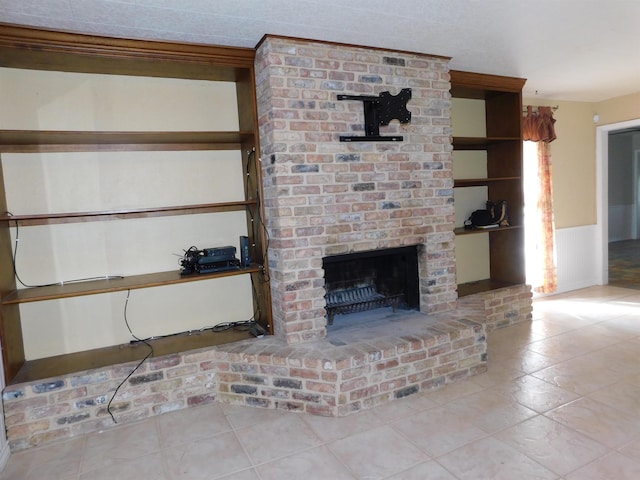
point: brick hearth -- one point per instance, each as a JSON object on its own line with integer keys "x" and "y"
{"x": 346, "y": 372}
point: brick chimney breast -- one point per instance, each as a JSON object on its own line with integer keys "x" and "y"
{"x": 324, "y": 197}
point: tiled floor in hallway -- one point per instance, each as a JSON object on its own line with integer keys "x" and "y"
{"x": 561, "y": 400}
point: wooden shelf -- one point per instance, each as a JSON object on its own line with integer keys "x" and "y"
{"x": 34, "y": 141}
{"x": 73, "y": 217}
{"x": 65, "y": 364}
{"x": 35, "y": 48}
{"x": 480, "y": 143}
{"x": 480, "y": 182}
{"x": 76, "y": 289}
{"x": 471, "y": 288}
{"x": 39, "y": 49}
{"x": 475, "y": 231}
{"x": 501, "y": 161}
{"x": 481, "y": 85}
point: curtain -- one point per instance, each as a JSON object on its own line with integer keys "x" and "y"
{"x": 538, "y": 126}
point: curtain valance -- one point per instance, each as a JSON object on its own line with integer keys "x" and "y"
{"x": 538, "y": 124}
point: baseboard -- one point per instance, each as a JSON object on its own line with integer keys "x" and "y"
{"x": 569, "y": 287}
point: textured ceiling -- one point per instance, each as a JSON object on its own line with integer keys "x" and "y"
{"x": 581, "y": 50}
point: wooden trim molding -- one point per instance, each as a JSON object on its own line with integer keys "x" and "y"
{"x": 482, "y": 81}
{"x": 34, "y": 48}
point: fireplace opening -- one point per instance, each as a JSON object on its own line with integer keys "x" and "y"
{"x": 361, "y": 281}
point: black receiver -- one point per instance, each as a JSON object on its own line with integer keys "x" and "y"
{"x": 245, "y": 257}
{"x": 209, "y": 260}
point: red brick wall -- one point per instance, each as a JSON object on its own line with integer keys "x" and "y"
{"x": 267, "y": 373}
{"x": 326, "y": 197}
{"x": 503, "y": 307}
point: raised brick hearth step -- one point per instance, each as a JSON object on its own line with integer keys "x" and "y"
{"x": 335, "y": 376}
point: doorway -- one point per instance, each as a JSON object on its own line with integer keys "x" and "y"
{"x": 618, "y": 254}
{"x": 635, "y": 214}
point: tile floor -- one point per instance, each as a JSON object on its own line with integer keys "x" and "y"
{"x": 561, "y": 400}
{"x": 624, "y": 263}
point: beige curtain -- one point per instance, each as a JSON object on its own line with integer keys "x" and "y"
{"x": 538, "y": 126}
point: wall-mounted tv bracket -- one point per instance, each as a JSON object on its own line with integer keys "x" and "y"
{"x": 380, "y": 111}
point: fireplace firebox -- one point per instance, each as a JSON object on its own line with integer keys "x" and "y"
{"x": 363, "y": 281}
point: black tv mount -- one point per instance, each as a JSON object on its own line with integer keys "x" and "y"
{"x": 378, "y": 111}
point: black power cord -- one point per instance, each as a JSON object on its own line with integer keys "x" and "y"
{"x": 245, "y": 325}
{"x": 253, "y": 160}
{"x": 149, "y": 354}
{"x": 76, "y": 280}
{"x": 242, "y": 325}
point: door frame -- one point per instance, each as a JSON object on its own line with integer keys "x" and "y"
{"x": 602, "y": 195}
{"x": 635, "y": 211}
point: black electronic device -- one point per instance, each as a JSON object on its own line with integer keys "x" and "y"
{"x": 205, "y": 260}
{"x": 245, "y": 257}
{"x": 228, "y": 250}
{"x": 209, "y": 260}
{"x": 219, "y": 266}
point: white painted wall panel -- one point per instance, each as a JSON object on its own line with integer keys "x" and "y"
{"x": 576, "y": 257}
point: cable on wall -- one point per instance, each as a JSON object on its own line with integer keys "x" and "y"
{"x": 253, "y": 159}
{"x": 149, "y": 354}
{"x": 242, "y": 325}
{"x": 24, "y": 284}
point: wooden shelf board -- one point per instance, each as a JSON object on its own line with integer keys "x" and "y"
{"x": 479, "y": 286}
{"x": 38, "y": 294}
{"x": 33, "y": 141}
{"x": 480, "y": 143}
{"x": 478, "y": 182}
{"x": 73, "y": 217}
{"x": 58, "y": 365}
{"x": 474, "y": 231}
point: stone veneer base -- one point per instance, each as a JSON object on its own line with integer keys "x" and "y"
{"x": 315, "y": 377}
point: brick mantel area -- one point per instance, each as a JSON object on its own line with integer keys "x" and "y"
{"x": 322, "y": 197}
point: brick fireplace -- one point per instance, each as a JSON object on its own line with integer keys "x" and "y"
{"x": 324, "y": 199}
{"x": 362, "y": 281}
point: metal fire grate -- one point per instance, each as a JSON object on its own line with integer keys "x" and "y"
{"x": 357, "y": 299}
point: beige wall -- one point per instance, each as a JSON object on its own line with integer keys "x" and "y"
{"x": 618, "y": 109}
{"x": 574, "y": 162}
{"x": 574, "y": 167}
{"x": 574, "y": 153}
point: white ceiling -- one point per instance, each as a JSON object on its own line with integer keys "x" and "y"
{"x": 580, "y": 50}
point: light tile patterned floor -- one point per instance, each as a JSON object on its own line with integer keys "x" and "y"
{"x": 561, "y": 400}
{"x": 624, "y": 263}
